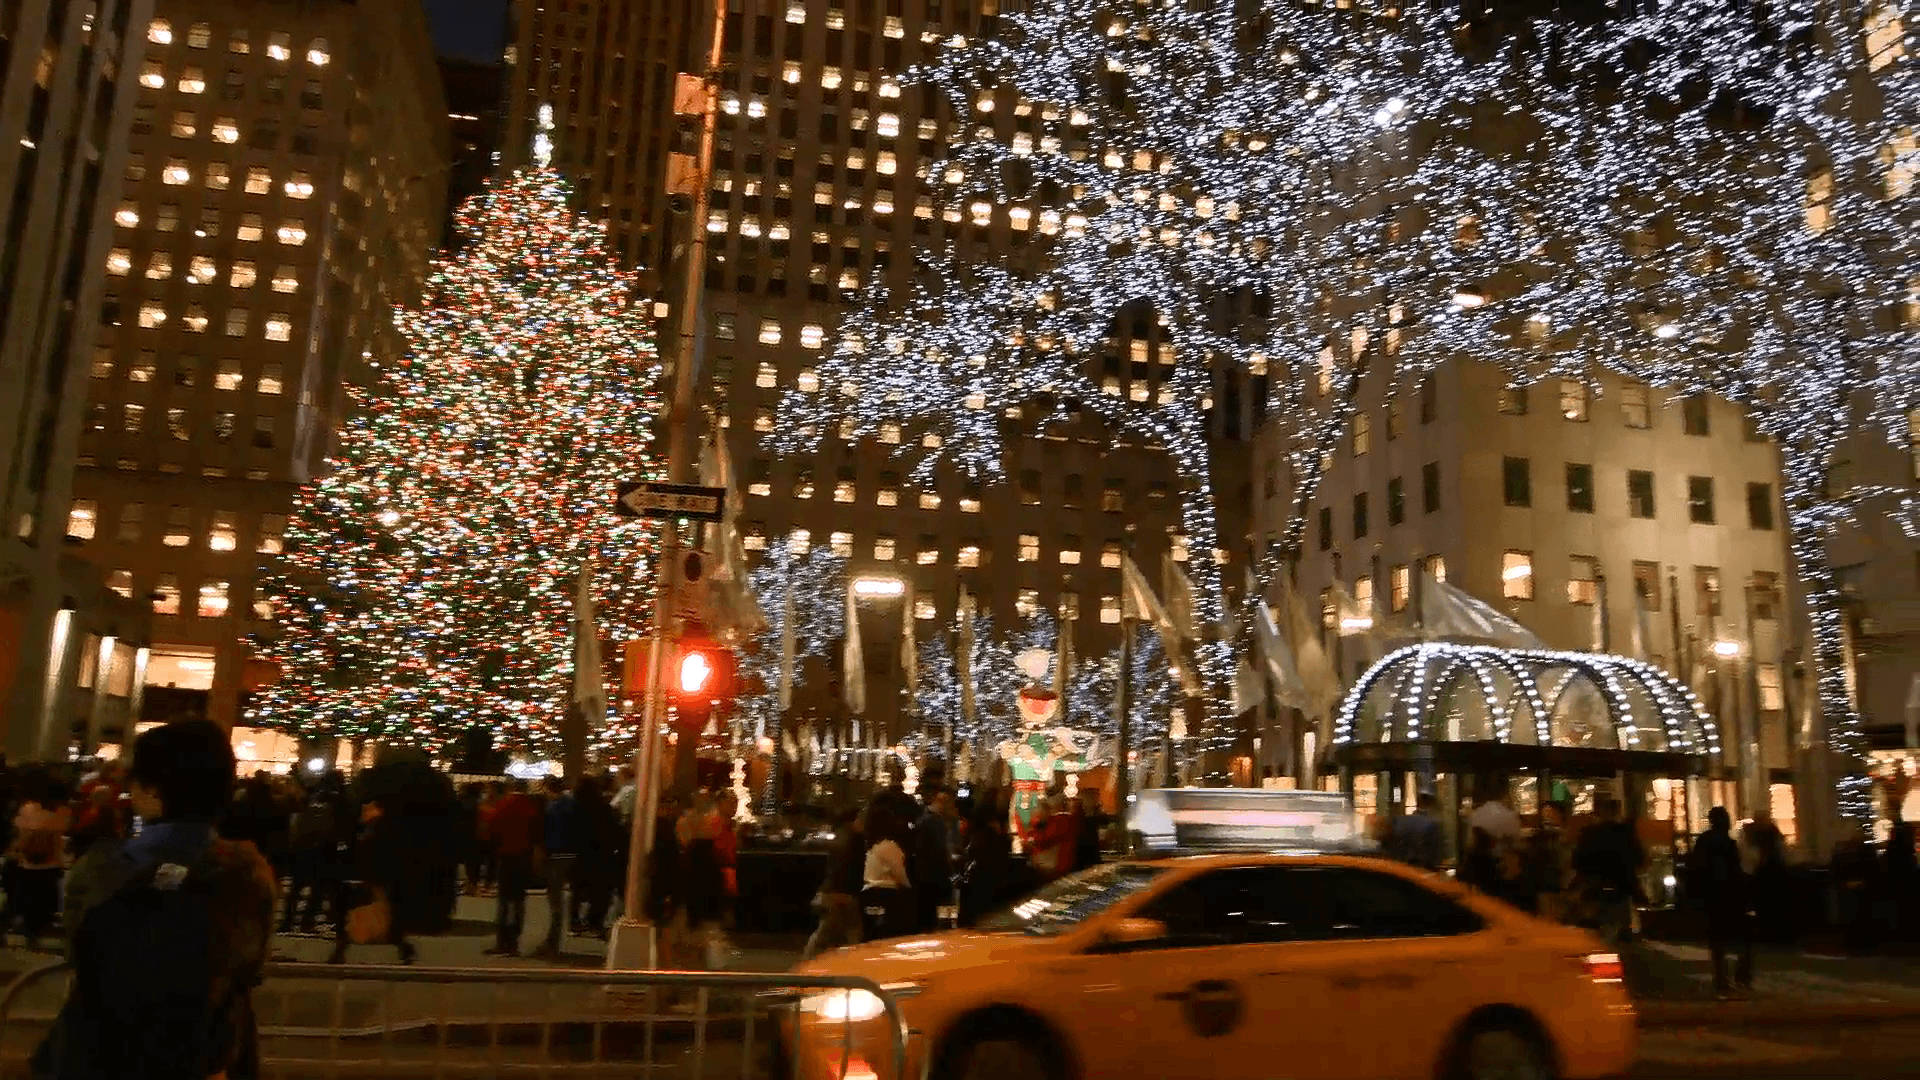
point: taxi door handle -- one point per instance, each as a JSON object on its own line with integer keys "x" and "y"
{"x": 1172, "y": 995}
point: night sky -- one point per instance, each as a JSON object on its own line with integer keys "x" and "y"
{"x": 468, "y": 29}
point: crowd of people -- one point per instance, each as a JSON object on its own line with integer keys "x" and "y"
{"x": 1589, "y": 870}
{"x": 907, "y": 864}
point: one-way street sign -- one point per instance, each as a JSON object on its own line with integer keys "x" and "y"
{"x": 647, "y": 498}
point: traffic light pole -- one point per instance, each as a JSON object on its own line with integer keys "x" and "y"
{"x": 634, "y": 945}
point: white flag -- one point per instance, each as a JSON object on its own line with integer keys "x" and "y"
{"x": 1141, "y": 603}
{"x": 1138, "y": 601}
{"x": 1453, "y": 614}
{"x": 909, "y": 649}
{"x": 1179, "y": 593}
{"x": 733, "y": 611}
{"x": 589, "y": 678}
{"x": 1318, "y": 680}
{"x": 853, "y": 672}
{"x": 963, "y": 655}
{"x": 1282, "y": 671}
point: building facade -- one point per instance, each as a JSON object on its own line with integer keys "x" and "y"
{"x": 282, "y": 192}
{"x": 1602, "y": 515}
{"x": 66, "y": 105}
{"x": 817, "y": 193}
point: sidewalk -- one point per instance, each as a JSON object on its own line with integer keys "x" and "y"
{"x": 1672, "y": 984}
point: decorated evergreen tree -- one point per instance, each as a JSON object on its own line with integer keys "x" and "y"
{"x": 429, "y": 580}
{"x": 1167, "y": 158}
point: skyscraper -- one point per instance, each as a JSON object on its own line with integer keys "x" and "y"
{"x": 282, "y": 192}
{"x": 66, "y": 102}
{"x": 817, "y": 194}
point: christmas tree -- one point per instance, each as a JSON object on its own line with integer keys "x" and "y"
{"x": 429, "y": 579}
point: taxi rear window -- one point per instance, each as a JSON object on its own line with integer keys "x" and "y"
{"x": 1064, "y": 904}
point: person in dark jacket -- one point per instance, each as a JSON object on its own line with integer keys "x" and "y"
{"x": 390, "y": 870}
{"x": 1606, "y": 868}
{"x": 168, "y": 930}
{"x": 839, "y": 897}
{"x": 597, "y": 868}
{"x": 1719, "y": 885}
{"x": 563, "y": 848}
{"x": 987, "y": 871}
{"x": 932, "y": 863}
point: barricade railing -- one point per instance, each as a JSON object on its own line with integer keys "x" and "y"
{"x": 357, "y": 1022}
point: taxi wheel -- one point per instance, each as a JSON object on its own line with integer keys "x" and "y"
{"x": 1502, "y": 1052}
{"x": 1001, "y": 1059}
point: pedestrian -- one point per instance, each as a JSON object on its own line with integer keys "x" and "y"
{"x": 1090, "y": 820}
{"x": 467, "y": 833}
{"x": 839, "y": 895}
{"x": 168, "y": 930}
{"x": 1051, "y": 855}
{"x": 514, "y": 830}
{"x": 932, "y": 864}
{"x": 1770, "y": 879}
{"x": 1547, "y": 863}
{"x": 311, "y": 844}
{"x": 562, "y": 843}
{"x": 702, "y": 874}
{"x": 596, "y": 869}
{"x": 1606, "y": 868}
{"x": 37, "y": 857}
{"x": 886, "y": 892}
{"x": 390, "y": 870}
{"x": 1415, "y": 838}
{"x": 987, "y": 864}
{"x": 1719, "y": 886}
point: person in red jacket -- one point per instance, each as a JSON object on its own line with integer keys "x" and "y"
{"x": 514, "y": 831}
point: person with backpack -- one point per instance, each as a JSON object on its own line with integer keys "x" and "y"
{"x": 168, "y": 930}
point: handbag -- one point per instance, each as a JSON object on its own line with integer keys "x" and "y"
{"x": 371, "y": 922}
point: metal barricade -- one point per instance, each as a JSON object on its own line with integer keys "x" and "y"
{"x": 357, "y": 1022}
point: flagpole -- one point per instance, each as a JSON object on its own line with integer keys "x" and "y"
{"x": 1122, "y": 767}
{"x": 633, "y": 945}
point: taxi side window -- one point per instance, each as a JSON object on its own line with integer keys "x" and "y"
{"x": 1365, "y": 904}
{"x": 1240, "y": 906}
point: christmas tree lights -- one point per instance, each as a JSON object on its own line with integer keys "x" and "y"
{"x": 428, "y": 579}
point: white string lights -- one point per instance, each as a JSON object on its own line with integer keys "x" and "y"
{"x": 1403, "y": 695}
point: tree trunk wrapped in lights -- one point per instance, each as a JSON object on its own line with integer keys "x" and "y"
{"x": 428, "y": 578}
{"x": 1169, "y": 156}
{"x": 1734, "y": 216}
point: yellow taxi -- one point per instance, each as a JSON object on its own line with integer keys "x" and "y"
{"x": 1269, "y": 967}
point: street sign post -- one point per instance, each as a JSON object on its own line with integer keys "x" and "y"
{"x": 647, "y": 498}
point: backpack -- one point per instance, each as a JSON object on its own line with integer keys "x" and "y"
{"x": 164, "y": 969}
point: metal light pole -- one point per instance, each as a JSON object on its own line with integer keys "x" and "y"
{"x": 634, "y": 945}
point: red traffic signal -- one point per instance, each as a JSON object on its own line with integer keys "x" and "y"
{"x": 698, "y": 671}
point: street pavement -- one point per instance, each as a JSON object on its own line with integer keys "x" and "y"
{"x": 1811, "y": 1015}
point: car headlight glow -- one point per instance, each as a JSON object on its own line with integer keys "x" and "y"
{"x": 854, "y": 1006}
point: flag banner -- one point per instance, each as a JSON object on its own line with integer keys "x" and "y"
{"x": 1453, "y": 614}
{"x": 909, "y": 649}
{"x": 853, "y": 673}
{"x": 589, "y": 677}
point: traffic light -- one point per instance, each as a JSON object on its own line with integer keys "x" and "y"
{"x": 698, "y": 673}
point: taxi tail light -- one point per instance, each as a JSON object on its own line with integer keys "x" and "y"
{"x": 852, "y": 1067}
{"x": 1603, "y": 967}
